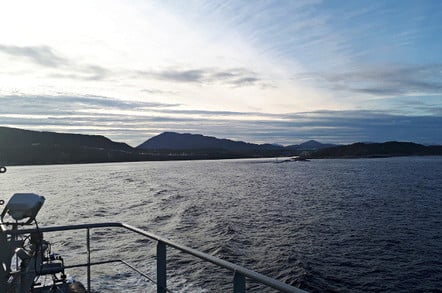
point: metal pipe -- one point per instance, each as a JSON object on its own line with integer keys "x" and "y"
{"x": 88, "y": 244}
{"x": 222, "y": 263}
{"x": 132, "y": 267}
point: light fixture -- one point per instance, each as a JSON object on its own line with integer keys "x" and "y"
{"x": 22, "y": 206}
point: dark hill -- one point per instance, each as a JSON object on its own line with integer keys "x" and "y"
{"x": 15, "y": 137}
{"x": 371, "y": 150}
{"x": 25, "y": 147}
{"x": 19, "y": 147}
{"x": 200, "y": 146}
{"x": 310, "y": 145}
{"x": 187, "y": 141}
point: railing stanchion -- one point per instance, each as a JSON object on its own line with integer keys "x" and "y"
{"x": 161, "y": 268}
{"x": 239, "y": 283}
{"x": 88, "y": 243}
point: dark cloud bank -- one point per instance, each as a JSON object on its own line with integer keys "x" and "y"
{"x": 67, "y": 114}
{"x": 386, "y": 80}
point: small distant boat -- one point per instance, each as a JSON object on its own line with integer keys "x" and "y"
{"x": 33, "y": 257}
{"x": 294, "y": 159}
{"x": 300, "y": 159}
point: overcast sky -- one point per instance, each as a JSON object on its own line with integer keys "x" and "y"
{"x": 260, "y": 71}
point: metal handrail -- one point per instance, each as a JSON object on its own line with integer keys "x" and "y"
{"x": 240, "y": 273}
{"x": 115, "y": 261}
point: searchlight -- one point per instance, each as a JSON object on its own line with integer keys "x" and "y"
{"x": 22, "y": 206}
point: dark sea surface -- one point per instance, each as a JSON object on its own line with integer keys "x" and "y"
{"x": 361, "y": 225}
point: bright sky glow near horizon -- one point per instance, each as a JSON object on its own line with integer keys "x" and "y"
{"x": 260, "y": 71}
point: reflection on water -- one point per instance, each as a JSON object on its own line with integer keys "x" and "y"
{"x": 339, "y": 225}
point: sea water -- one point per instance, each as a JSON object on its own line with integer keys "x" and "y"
{"x": 356, "y": 225}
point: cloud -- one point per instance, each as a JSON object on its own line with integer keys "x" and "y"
{"x": 83, "y": 72}
{"x": 197, "y": 75}
{"x": 95, "y": 72}
{"x": 65, "y": 68}
{"x": 391, "y": 80}
{"x": 234, "y": 76}
{"x": 289, "y": 33}
{"x": 158, "y": 91}
{"x": 41, "y": 55}
{"x": 244, "y": 81}
{"x": 133, "y": 121}
{"x": 66, "y": 104}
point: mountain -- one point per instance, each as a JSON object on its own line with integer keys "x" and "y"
{"x": 25, "y": 147}
{"x": 372, "y": 150}
{"x": 191, "y": 146}
{"x": 191, "y": 142}
{"x": 310, "y": 145}
{"x": 18, "y": 147}
{"x": 15, "y": 137}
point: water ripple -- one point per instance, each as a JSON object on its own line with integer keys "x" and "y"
{"x": 327, "y": 226}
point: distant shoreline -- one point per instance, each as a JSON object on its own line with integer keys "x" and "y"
{"x": 19, "y": 147}
{"x": 223, "y": 159}
{"x": 376, "y": 150}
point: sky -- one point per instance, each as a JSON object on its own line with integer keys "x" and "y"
{"x": 259, "y": 71}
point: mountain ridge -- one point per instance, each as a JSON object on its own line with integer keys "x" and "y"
{"x": 188, "y": 141}
{"x": 19, "y": 137}
{"x": 28, "y": 147}
{"x": 23, "y": 147}
{"x": 310, "y": 145}
{"x": 375, "y": 150}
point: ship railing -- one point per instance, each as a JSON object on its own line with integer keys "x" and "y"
{"x": 239, "y": 273}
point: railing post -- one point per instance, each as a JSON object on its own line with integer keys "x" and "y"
{"x": 161, "y": 267}
{"x": 88, "y": 244}
{"x": 239, "y": 283}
